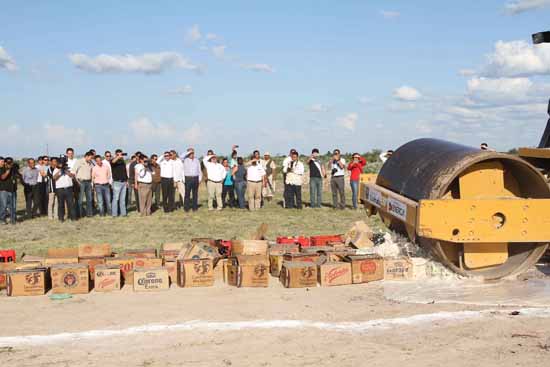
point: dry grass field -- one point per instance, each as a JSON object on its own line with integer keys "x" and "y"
{"x": 35, "y": 236}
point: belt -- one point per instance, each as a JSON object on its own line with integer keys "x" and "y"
{"x": 102, "y": 184}
{"x": 214, "y": 181}
{"x": 63, "y": 188}
{"x": 85, "y": 180}
{"x": 255, "y": 181}
{"x": 123, "y": 181}
{"x": 144, "y": 183}
{"x": 167, "y": 178}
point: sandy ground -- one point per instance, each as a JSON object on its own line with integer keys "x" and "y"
{"x": 355, "y": 325}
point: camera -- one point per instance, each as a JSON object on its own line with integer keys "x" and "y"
{"x": 334, "y": 170}
{"x": 124, "y": 154}
{"x": 62, "y": 163}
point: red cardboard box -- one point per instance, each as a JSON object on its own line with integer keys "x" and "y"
{"x": 325, "y": 240}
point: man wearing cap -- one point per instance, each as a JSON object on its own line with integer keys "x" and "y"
{"x": 193, "y": 176}
{"x": 337, "y": 166}
{"x": 269, "y": 167}
{"x": 255, "y": 175}
{"x": 216, "y": 174}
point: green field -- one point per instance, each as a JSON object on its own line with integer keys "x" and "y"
{"x": 33, "y": 237}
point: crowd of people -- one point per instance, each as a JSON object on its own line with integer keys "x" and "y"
{"x": 67, "y": 187}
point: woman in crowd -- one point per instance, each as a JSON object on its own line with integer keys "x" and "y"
{"x": 356, "y": 168}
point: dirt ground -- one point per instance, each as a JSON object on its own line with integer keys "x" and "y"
{"x": 224, "y": 326}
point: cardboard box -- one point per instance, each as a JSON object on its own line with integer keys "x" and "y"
{"x": 326, "y": 240}
{"x": 92, "y": 262}
{"x": 69, "y": 252}
{"x": 249, "y": 247}
{"x": 220, "y": 270}
{"x": 4, "y": 269}
{"x": 200, "y": 251}
{"x": 35, "y": 260}
{"x": 298, "y": 274}
{"x": 196, "y": 273}
{"x": 301, "y": 257}
{"x": 147, "y": 262}
{"x": 70, "y": 278}
{"x": 283, "y": 249}
{"x": 27, "y": 282}
{"x": 88, "y": 250}
{"x": 357, "y": 228}
{"x": 107, "y": 278}
{"x": 172, "y": 267}
{"x": 398, "y": 269}
{"x": 150, "y": 253}
{"x": 334, "y": 273}
{"x": 126, "y": 265}
{"x": 275, "y": 265}
{"x": 151, "y": 280}
{"x": 171, "y": 246}
{"x": 49, "y": 261}
{"x": 366, "y": 268}
{"x": 248, "y": 271}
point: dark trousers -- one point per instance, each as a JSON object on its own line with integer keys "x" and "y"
{"x": 228, "y": 190}
{"x": 155, "y": 187}
{"x": 167, "y": 186}
{"x": 293, "y": 197}
{"x": 43, "y": 198}
{"x": 191, "y": 189}
{"x": 32, "y": 200}
{"x": 65, "y": 197}
{"x": 337, "y": 187}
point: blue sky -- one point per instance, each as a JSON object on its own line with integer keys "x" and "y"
{"x": 271, "y": 75}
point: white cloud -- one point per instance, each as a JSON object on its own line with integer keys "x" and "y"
{"x": 318, "y": 107}
{"x": 349, "y": 121}
{"x": 186, "y": 89}
{"x": 265, "y": 68}
{"x": 149, "y": 63}
{"x": 520, "y": 6}
{"x": 219, "y": 51}
{"x": 518, "y": 58}
{"x": 147, "y": 132}
{"x": 501, "y": 90}
{"x": 211, "y": 37}
{"x": 6, "y": 61}
{"x": 61, "y": 134}
{"x": 193, "y": 34}
{"x": 407, "y": 94}
{"x": 389, "y": 14}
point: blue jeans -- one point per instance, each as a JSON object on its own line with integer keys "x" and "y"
{"x": 4, "y": 197}
{"x": 354, "y": 191}
{"x": 85, "y": 189}
{"x": 315, "y": 192}
{"x": 103, "y": 198}
{"x": 240, "y": 188}
{"x": 8, "y": 201}
{"x": 119, "y": 198}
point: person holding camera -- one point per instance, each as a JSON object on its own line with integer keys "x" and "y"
{"x": 356, "y": 168}
{"x": 294, "y": 179}
{"x": 63, "y": 178}
{"x": 337, "y": 166}
{"x": 316, "y": 174}
{"x": 143, "y": 183}
{"x": 120, "y": 184}
{"x": 101, "y": 177}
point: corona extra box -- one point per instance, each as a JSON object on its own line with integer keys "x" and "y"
{"x": 399, "y": 268}
{"x": 334, "y": 273}
{"x": 27, "y": 282}
{"x": 87, "y": 250}
{"x": 298, "y": 274}
{"x": 248, "y": 271}
{"x": 366, "y": 268}
{"x": 196, "y": 273}
{"x": 70, "y": 278}
{"x": 107, "y": 278}
{"x": 151, "y": 280}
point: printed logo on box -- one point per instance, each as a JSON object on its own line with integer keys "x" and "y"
{"x": 335, "y": 273}
{"x": 397, "y": 208}
{"x": 368, "y": 267}
{"x": 260, "y": 270}
{"x": 32, "y": 278}
{"x": 307, "y": 272}
{"x": 375, "y": 198}
{"x": 201, "y": 267}
{"x": 70, "y": 279}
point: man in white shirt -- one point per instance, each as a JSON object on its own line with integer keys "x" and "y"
{"x": 294, "y": 178}
{"x": 286, "y": 162}
{"x": 167, "y": 181}
{"x": 64, "y": 190}
{"x": 216, "y": 174}
{"x": 255, "y": 175}
{"x": 143, "y": 182}
{"x": 336, "y": 167}
{"x": 179, "y": 176}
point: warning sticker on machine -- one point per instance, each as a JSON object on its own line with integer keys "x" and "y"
{"x": 397, "y": 209}
{"x": 375, "y": 198}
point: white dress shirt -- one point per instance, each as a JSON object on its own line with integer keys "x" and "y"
{"x": 179, "y": 175}
{"x": 255, "y": 173}
{"x": 215, "y": 171}
{"x": 166, "y": 167}
{"x": 295, "y": 173}
{"x": 339, "y": 171}
{"x": 71, "y": 163}
{"x": 63, "y": 181}
{"x": 144, "y": 175}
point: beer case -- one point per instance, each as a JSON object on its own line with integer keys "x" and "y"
{"x": 107, "y": 278}
{"x": 196, "y": 273}
{"x": 70, "y": 278}
{"x": 298, "y": 274}
{"x": 151, "y": 280}
{"x": 27, "y": 282}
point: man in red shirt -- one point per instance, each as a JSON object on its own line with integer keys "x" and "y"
{"x": 356, "y": 168}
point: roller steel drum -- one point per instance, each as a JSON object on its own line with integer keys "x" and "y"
{"x": 431, "y": 168}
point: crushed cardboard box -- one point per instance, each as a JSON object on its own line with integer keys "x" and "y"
{"x": 172, "y": 266}
{"x": 359, "y": 236}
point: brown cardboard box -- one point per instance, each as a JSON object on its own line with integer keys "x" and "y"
{"x": 301, "y": 257}
{"x": 70, "y": 252}
{"x": 150, "y": 253}
{"x": 92, "y": 262}
{"x": 88, "y": 250}
{"x": 248, "y": 271}
{"x": 398, "y": 269}
{"x": 126, "y": 267}
{"x": 366, "y": 268}
{"x": 172, "y": 267}
{"x": 171, "y": 246}
{"x": 151, "y": 280}
{"x": 196, "y": 273}
{"x": 27, "y": 282}
{"x": 249, "y": 247}
{"x": 281, "y": 249}
{"x": 334, "y": 273}
{"x": 359, "y": 234}
{"x": 220, "y": 270}
{"x": 4, "y": 269}
{"x": 298, "y": 274}
{"x": 107, "y": 278}
{"x": 70, "y": 278}
{"x": 200, "y": 251}
{"x": 35, "y": 260}
{"x": 147, "y": 262}
{"x": 49, "y": 261}
{"x": 275, "y": 264}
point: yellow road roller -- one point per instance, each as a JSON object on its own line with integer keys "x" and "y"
{"x": 481, "y": 213}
